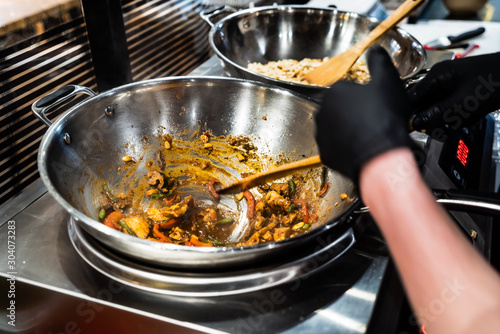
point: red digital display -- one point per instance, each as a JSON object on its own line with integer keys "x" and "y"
{"x": 462, "y": 152}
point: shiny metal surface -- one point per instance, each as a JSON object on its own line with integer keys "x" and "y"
{"x": 482, "y": 207}
{"x": 40, "y": 111}
{"x": 272, "y": 33}
{"x": 73, "y": 173}
{"x": 209, "y": 283}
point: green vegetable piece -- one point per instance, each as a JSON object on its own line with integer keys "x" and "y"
{"x": 224, "y": 221}
{"x": 214, "y": 241}
{"x": 306, "y": 226}
{"x": 293, "y": 187}
{"x": 323, "y": 177}
{"x": 108, "y": 193}
{"x": 126, "y": 228}
{"x": 102, "y": 214}
{"x": 162, "y": 195}
{"x": 292, "y": 208}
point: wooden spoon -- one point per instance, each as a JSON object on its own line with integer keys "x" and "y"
{"x": 270, "y": 175}
{"x": 335, "y": 68}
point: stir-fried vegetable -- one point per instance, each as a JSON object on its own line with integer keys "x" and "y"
{"x": 224, "y": 221}
{"x": 293, "y": 187}
{"x": 212, "y": 189}
{"x": 323, "y": 190}
{"x": 157, "y": 210}
{"x": 251, "y": 204}
{"x": 102, "y": 213}
{"x": 112, "y": 220}
{"x": 196, "y": 242}
{"x": 162, "y": 195}
{"x": 277, "y": 215}
{"x": 167, "y": 225}
{"x": 108, "y": 193}
{"x": 303, "y": 209}
{"x": 124, "y": 225}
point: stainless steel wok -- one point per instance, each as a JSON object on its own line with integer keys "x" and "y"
{"x": 85, "y": 145}
{"x": 264, "y": 34}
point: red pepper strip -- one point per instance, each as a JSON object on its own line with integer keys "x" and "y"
{"x": 323, "y": 190}
{"x": 169, "y": 224}
{"x": 169, "y": 201}
{"x": 303, "y": 209}
{"x": 188, "y": 243}
{"x": 211, "y": 187}
{"x": 313, "y": 217}
{"x": 251, "y": 204}
{"x": 112, "y": 219}
{"x": 162, "y": 237}
{"x": 198, "y": 243}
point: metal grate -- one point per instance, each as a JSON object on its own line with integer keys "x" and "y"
{"x": 165, "y": 38}
{"x": 28, "y": 70}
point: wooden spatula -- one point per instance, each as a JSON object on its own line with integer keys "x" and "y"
{"x": 335, "y": 68}
{"x": 270, "y": 175}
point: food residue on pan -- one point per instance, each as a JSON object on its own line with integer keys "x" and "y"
{"x": 293, "y": 71}
{"x": 176, "y": 201}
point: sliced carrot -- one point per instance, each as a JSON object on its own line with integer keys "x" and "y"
{"x": 251, "y": 204}
{"x": 198, "y": 243}
{"x": 303, "y": 209}
{"x": 112, "y": 219}
{"x": 162, "y": 237}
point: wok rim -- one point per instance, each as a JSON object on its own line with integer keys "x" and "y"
{"x": 240, "y": 13}
{"x": 88, "y": 222}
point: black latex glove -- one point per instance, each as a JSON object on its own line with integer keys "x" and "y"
{"x": 456, "y": 93}
{"x": 357, "y": 122}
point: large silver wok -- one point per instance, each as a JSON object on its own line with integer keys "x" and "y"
{"x": 85, "y": 145}
{"x": 264, "y": 34}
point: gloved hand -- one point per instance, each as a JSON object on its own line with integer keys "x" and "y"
{"x": 456, "y": 93}
{"x": 358, "y": 122}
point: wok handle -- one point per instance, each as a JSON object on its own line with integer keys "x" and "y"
{"x": 416, "y": 78}
{"x": 57, "y": 98}
{"x": 208, "y": 14}
{"x": 486, "y": 203}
